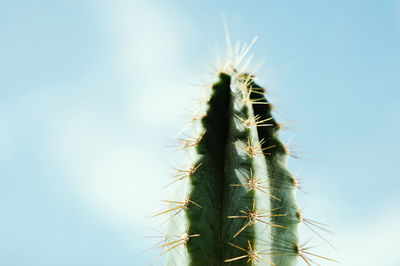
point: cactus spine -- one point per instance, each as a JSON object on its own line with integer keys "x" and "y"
{"x": 235, "y": 201}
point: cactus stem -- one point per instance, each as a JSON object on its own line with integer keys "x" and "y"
{"x": 252, "y": 254}
{"x": 237, "y": 165}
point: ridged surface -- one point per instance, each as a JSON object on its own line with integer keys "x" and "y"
{"x": 239, "y": 195}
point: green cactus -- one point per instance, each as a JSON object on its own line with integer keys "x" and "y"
{"x": 235, "y": 200}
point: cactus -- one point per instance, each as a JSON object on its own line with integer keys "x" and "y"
{"x": 235, "y": 200}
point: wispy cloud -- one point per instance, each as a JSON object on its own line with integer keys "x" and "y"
{"x": 117, "y": 164}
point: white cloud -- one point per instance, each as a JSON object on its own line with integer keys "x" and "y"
{"x": 113, "y": 164}
{"x": 148, "y": 58}
{"x": 114, "y": 175}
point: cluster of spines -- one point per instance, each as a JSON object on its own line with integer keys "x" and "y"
{"x": 253, "y": 132}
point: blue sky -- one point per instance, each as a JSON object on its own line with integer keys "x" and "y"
{"x": 93, "y": 93}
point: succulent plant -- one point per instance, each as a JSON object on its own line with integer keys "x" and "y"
{"x": 235, "y": 199}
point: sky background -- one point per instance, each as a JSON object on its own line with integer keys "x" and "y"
{"x": 93, "y": 94}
